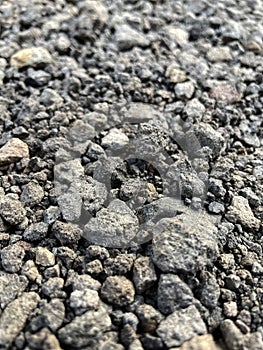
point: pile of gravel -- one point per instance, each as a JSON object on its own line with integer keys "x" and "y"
{"x": 131, "y": 164}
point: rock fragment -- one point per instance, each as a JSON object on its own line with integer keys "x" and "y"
{"x": 12, "y": 258}
{"x": 240, "y": 212}
{"x": 14, "y": 317}
{"x": 144, "y": 274}
{"x": 44, "y": 257}
{"x": 66, "y": 233}
{"x": 85, "y": 330}
{"x": 32, "y": 193}
{"x": 127, "y": 38}
{"x": 34, "y": 56}
{"x": 114, "y": 226}
{"x": 43, "y": 340}
{"x": 12, "y": 210}
{"x": 219, "y": 54}
{"x": 180, "y": 326}
{"x": 83, "y": 300}
{"x": 36, "y": 232}
{"x": 235, "y": 340}
{"x": 118, "y": 290}
{"x": 178, "y": 248}
{"x": 200, "y": 342}
{"x": 173, "y": 293}
{"x": 13, "y": 151}
{"x": 225, "y": 92}
{"x": 11, "y": 285}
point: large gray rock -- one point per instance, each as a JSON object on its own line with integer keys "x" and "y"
{"x": 114, "y": 226}
{"x": 184, "y": 243}
{"x": 173, "y": 293}
{"x": 180, "y": 326}
{"x": 85, "y": 330}
{"x": 14, "y": 317}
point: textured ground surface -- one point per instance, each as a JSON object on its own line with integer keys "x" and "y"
{"x": 131, "y": 163}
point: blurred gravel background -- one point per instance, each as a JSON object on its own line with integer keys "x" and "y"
{"x": 80, "y": 68}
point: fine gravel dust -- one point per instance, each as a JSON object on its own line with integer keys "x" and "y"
{"x": 131, "y": 164}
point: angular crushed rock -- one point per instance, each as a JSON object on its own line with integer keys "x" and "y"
{"x": 13, "y": 151}
{"x": 180, "y": 326}
{"x": 144, "y": 274}
{"x": 85, "y": 330}
{"x": 12, "y": 210}
{"x": 173, "y": 293}
{"x": 177, "y": 247}
{"x": 239, "y": 211}
{"x": 66, "y": 233}
{"x": 34, "y": 56}
{"x": 118, "y": 290}
{"x": 14, "y": 317}
{"x": 114, "y": 226}
{"x": 12, "y": 258}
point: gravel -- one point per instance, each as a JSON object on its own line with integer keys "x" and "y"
{"x": 131, "y": 175}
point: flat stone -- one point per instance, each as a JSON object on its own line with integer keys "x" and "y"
{"x": 34, "y": 56}
{"x": 219, "y": 54}
{"x": 13, "y": 151}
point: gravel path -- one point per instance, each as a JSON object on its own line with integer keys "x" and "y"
{"x": 131, "y": 164}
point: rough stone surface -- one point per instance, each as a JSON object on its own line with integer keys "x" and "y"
{"x": 14, "y": 150}
{"x": 66, "y": 233}
{"x": 173, "y": 293}
{"x": 117, "y": 290}
{"x": 240, "y": 212}
{"x": 178, "y": 249}
{"x": 180, "y": 326}
{"x": 12, "y": 210}
{"x": 85, "y": 330}
{"x": 144, "y": 274}
{"x": 12, "y": 258}
{"x": 14, "y": 317}
{"x": 33, "y": 56}
{"x": 114, "y": 226}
